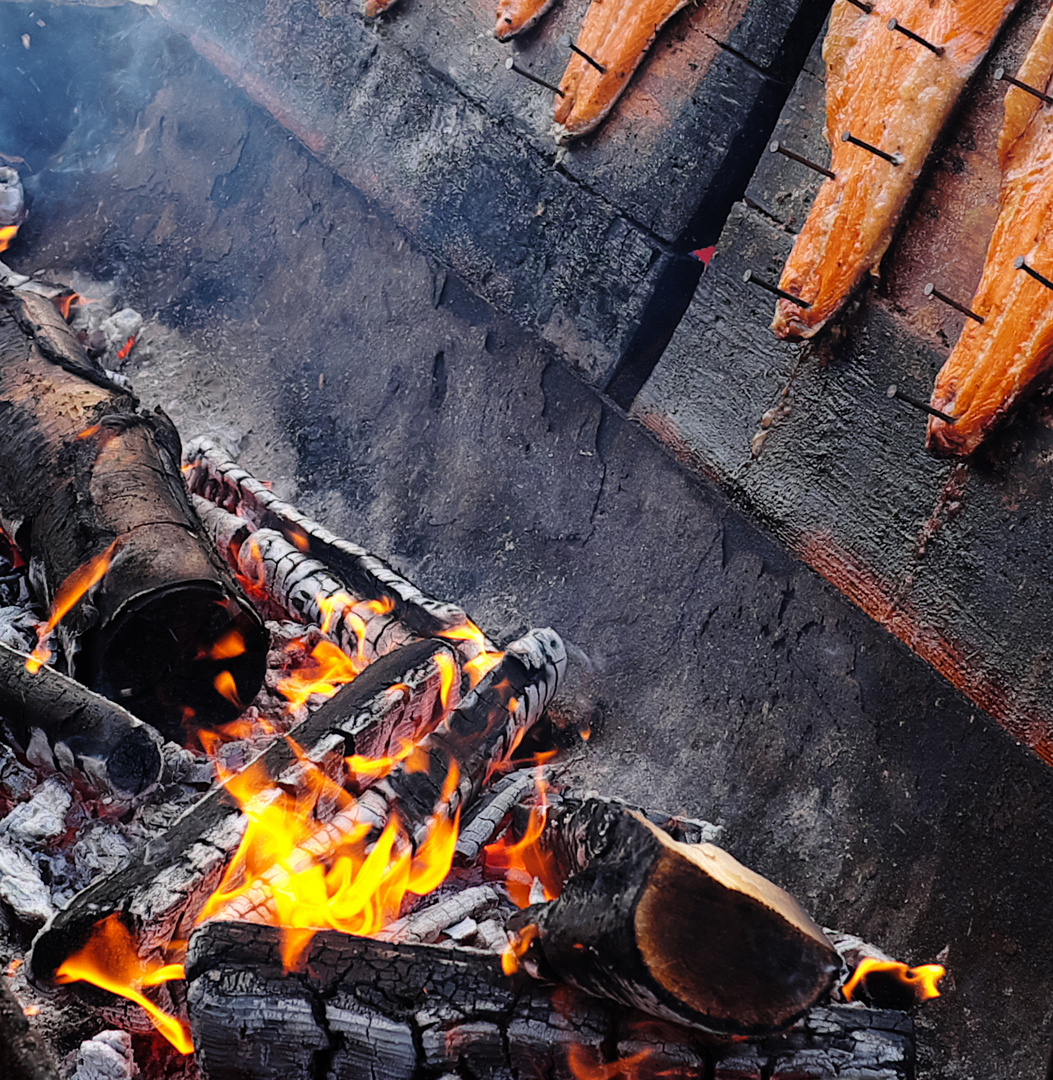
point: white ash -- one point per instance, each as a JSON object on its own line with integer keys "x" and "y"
{"x": 21, "y": 885}
{"x": 16, "y": 780}
{"x": 107, "y": 1056}
{"x": 18, "y": 625}
{"x": 12, "y": 197}
{"x": 42, "y": 817}
{"x": 120, "y": 326}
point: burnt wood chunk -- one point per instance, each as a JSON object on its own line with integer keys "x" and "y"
{"x": 168, "y": 882}
{"x": 682, "y": 931}
{"x": 85, "y": 732}
{"x": 366, "y": 1009}
{"x": 24, "y": 1054}
{"x": 83, "y": 471}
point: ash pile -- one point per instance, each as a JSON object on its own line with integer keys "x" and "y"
{"x": 268, "y": 810}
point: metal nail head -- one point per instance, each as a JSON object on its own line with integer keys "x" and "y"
{"x": 1021, "y": 264}
{"x": 896, "y": 159}
{"x": 776, "y": 147}
{"x": 931, "y": 291}
{"x": 894, "y": 24}
{"x": 895, "y": 392}
{"x": 1001, "y": 76}
{"x": 511, "y": 65}
{"x": 750, "y": 278}
{"x": 566, "y": 42}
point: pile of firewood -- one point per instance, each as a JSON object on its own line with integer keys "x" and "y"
{"x": 544, "y": 932}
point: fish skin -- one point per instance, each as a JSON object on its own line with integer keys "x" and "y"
{"x": 616, "y": 34}
{"x": 993, "y": 364}
{"x": 894, "y": 94}
{"x": 518, "y": 16}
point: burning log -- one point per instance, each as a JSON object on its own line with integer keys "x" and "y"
{"x": 405, "y": 1012}
{"x": 83, "y": 732}
{"x": 161, "y": 892}
{"x": 211, "y": 474}
{"x": 90, "y": 487}
{"x": 681, "y": 931}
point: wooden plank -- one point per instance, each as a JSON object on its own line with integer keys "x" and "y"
{"x": 418, "y": 111}
{"x": 945, "y": 555}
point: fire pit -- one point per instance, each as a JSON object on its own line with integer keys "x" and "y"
{"x": 403, "y": 403}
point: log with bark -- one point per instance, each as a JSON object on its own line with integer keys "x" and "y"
{"x": 362, "y": 1009}
{"x": 682, "y": 931}
{"x": 165, "y": 886}
{"x": 86, "y": 476}
{"x": 211, "y": 474}
{"x": 62, "y": 723}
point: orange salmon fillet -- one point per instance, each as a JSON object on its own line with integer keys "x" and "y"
{"x": 616, "y": 34}
{"x": 515, "y": 16}
{"x": 993, "y": 364}
{"x": 896, "y": 95}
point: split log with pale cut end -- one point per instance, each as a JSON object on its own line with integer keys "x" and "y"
{"x": 162, "y": 889}
{"x": 86, "y": 733}
{"x": 212, "y": 474}
{"x": 87, "y": 479}
{"x": 370, "y": 1009}
{"x": 682, "y": 931}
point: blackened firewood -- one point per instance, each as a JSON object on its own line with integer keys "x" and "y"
{"x": 468, "y": 744}
{"x": 24, "y": 1055}
{"x": 164, "y": 887}
{"x": 212, "y": 474}
{"x": 682, "y": 931}
{"x": 368, "y": 1009}
{"x": 85, "y": 732}
{"x": 84, "y": 471}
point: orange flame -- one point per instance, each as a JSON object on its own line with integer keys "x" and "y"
{"x": 525, "y": 861}
{"x": 313, "y": 876}
{"x": 447, "y": 678}
{"x": 517, "y": 947}
{"x": 923, "y": 980}
{"x": 583, "y": 1066}
{"x": 126, "y": 348}
{"x": 231, "y": 644}
{"x": 65, "y": 304}
{"x": 110, "y": 960}
{"x": 328, "y": 668}
{"x": 7, "y": 234}
{"x": 69, "y": 593}
{"x": 228, "y": 688}
{"x": 484, "y": 662}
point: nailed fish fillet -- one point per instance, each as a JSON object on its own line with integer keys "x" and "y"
{"x": 896, "y": 95}
{"x": 617, "y": 35}
{"x": 994, "y": 363}
{"x": 515, "y": 16}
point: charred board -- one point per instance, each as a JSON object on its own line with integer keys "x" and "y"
{"x": 369, "y": 1009}
{"x": 944, "y": 555}
{"x": 588, "y": 245}
{"x": 84, "y": 474}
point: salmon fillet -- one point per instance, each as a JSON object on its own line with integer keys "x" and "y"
{"x": 894, "y": 94}
{"x": 617, "y": 35}
{"x": 994, "y": 363}
{"x": 515, "y": 16}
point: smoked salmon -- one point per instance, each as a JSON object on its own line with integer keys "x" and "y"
{"x": 894, "y": 93}
{"x": 515, "y": 16}
{"x": 617, "y": 35}
{"x": 994, "y": 363}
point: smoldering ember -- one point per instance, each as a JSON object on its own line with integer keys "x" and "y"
{"x": 447, "y": 628}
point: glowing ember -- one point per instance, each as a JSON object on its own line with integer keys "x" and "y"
{"x": 308, "y": 876}
{"x": 231, "y": 644}
{"x": 525, "y": 861}
{"x": 517, "y": 947}
{"x": 69, "y": 593}
{"x": 110, "y": 960}
{"x": 126, "y": 348}
{"x": 66, "y": 304}
{"x": 923, "y": 980}
{"x": 328, "y": 668}
{"x": 7, "y": 234}
{"x": 583, "y": 1066}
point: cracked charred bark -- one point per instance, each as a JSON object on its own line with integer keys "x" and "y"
{"x": 362, "y": 1009}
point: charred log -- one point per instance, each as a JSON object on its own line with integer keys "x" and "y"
{"x": 362, "y": 1009}
{"x": 84, "y": 732}
{"x": 681, "y": 931}
{"x": 213, "y": 475}
{"x": 161, "y": 891}
{"x": 84, "y": 472}
{"x": 467, "y": 745}
{"x": 24, "y": 1055}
